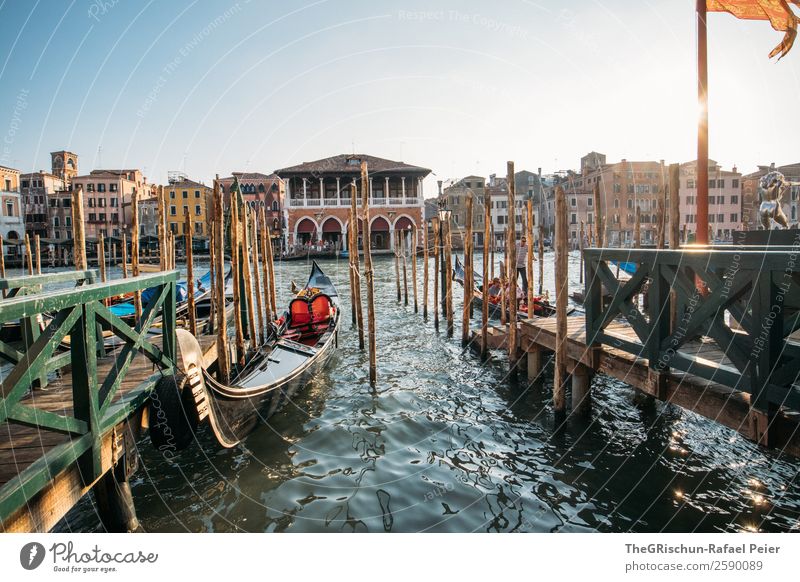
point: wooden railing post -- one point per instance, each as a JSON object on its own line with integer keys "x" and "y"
{"x": 659, "y": 310}
{"x": 85, "y": 393}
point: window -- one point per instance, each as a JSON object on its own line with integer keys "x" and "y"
{"x": 197, "y": 210}
{"x": 589, "y": 218}
{"x": 185, "y": 193}
{"x": 172, "y": 210}
{"x": 720, "y": 183}
{"x": 186, "y": 210}
{"x": 735, "y": 183}
{"x": 198, "y": 228}
{"x": 630, "y": 203}
{"x": 712, "y": 183}
{"x": 197, "y": 193}
{"x": 68, "y": 221}
{"x": 92, "y": 217}
{"x": 24, "y": 184}
{"x": 589, "y": 202}
{"x": 573, "y": 218}
{"x": 115, "y": 218}
{"x": 102, "y": 217}
{"x": 90, "y": 187}
{"x": 101, "y": 187}
{"x": 630, "y": 188}
{"x": 573, "y": 202}
{"x": 275, "y": 206}
{"x": 112, "y": 187}
{"x": 172, "y": 194}
{"x": 720, "y": 218}
{"x": 9, "y": 209}
{"x": 617, "y": 188}
{"x": 735, "y": 216}
{"x": 720, "y": 199}
{"x": 173, "y": 226}
{"x": 690, "y": 183}
{"x": 734, "y": 200}
{"x": 101, "y": 202}
{"x": 616, "y": 202}
{"x": 56, "y": 222}
{"x": 116, "y": 232}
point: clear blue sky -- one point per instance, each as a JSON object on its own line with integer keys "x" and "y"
{"x": 460, "y": 87}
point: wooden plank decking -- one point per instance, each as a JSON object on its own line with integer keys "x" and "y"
{"x": 21, "y": 446}
{"x": 721, "y": 404}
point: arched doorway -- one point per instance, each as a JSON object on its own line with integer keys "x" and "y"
{"x": 332, "y": 233}
{"x": 402, "y": 231}
{"x": 379, "y": 234}
{"x": 306, "y": 231}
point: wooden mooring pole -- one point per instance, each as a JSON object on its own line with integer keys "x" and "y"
{"x": 350, "y": 269}
{"x": 259, "y": 305}
{"x": 223, "y": 362}
{"x": 163, "y": 262}
{"x": 247, "y": 242}
{"x": 273, "y": 293}
{"x": 674, "y": 231}
{"x": 487, "y": 244}
{"x": 425, "y": 270}
{"x": 101, "y": 257}
{"x": 529, "y": 265}
{"x": 541, "y": 257}
{"x": 188, "y": 226}
{"x": 491, "y": 245}
{"x": 468, "y": 287}
{"x": 511, "y": 268}
{"x": 28, "y": 254}
{"x": 265, "y": 242}
{"x": 78, "y": 230}
{"x": 137, "y": 295}
{"x": 562, "y": 287}
{"x": 397, "y": 264}
{"x": 448, "y": 271}
{"x": 38, "y": 246}
{"x": 369, "y": 274}
{"x": 436, "y": 233}
{"x": 356, "y": 267}
{"x": 580, "y": 248}
{"x": 413, "y": 258}
{"x": 598, "y": 214}
{"x": 124, "y": 255}
{"x": 237, "y": 276}
{"x": 403, "y": 251}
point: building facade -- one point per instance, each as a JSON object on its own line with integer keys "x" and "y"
{"x": 455, "y": 199}
{"x": 41, "y": 196}
{"x": 187, "y": 196}
{"x": 107, "y": 199}
{"x": 12, "y": 226}
{"x": 724, "y": 201}
{"x": 318, "y": 200}
{"x": 260, "y": 191}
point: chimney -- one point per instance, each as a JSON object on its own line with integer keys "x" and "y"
{"x": 540, "y": 172}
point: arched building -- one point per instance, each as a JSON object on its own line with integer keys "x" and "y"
{"x": 317, "y": 204}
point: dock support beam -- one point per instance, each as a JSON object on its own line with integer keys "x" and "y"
{"x": 581, "y": 389}
{"x": 115, "y": 500}
{"x": 534, "y": 363}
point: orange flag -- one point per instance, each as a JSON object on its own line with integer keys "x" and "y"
{"x": 778, "y": 13}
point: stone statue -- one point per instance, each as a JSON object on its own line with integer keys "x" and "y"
{"x": 771, "y": 189}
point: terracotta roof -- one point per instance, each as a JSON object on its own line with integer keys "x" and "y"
{"x": 351, "y": 164}
{"x": 257, "y": 176}
{"x": 186, "y": 184}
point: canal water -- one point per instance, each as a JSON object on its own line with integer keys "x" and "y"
{"x": 445, "y": 444}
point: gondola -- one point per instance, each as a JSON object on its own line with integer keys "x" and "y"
{"x": 542, "y": 307}
{"x": 300, "y": 344}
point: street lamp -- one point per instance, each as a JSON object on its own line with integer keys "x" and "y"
{"x": 444, "y": 216}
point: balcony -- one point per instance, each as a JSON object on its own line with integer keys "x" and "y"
{"x": 345, "y": 202}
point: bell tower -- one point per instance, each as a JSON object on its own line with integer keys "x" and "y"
{"x": 64, "y": 164}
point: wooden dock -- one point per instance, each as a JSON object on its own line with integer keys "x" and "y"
{"x": 726, "y": 406}
{"x": 69, "y": 418}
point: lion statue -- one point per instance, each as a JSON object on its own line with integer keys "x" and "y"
{"x": 771, "y": 189}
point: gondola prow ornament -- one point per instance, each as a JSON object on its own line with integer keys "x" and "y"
{"x": 771, "y": 189}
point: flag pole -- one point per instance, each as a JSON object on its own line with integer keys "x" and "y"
{"x": 702, "y": 125}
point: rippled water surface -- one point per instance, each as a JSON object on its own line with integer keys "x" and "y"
{"x": 445, "y": 443}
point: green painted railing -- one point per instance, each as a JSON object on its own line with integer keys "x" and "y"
{"x": 745, "y": 299}
{"x": 80, "y": 313}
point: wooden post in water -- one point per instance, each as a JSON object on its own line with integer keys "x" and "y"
{"x": 511, "y": 267}
{"x": 350, "y": 272}
{"x": 425, "y": 270}
{"x": 413, "y": 258}
{"x": 78, "y": 230}
{"x": 561, "y": 252}
{"x": 2, "y": 261}
{"x": 598, "y": 213}
{"x": 223, "y": 363}
{"x": 273, "y": 294}
{"x": 265, "y": 242}
{"x": 247, "y": 241}
{"x": 529, "y": 266}
{"x": 487, "y": 223}
{"x": 541, "y": 257}
{"x": 124, "y": 255}
{"x": 448, "y": 268}
{"x": 162, "y": 230}
{"x": 369, "y": 275}
{"x": 468, "y": 286}
{"x": 137, "y": 296}
{"x": 113, "y": 260}
{"x": 190, "y": 273}
{"x": 397, "y": 264}
{"x": 491, "y": 247}
{"x": 355, "y": 265}
{"x": 38, "y": 245}
{"x": 28, "y": 254}
{"x": 637, "y": 229}
{"x": 580, "y": 248}
{"x": 101, "y": 257}
{"x": 259, "y": 305}
{"x": 435, "y": 224}
{"x": 403, "y": 251}
{"x": 503, "y": 294}
{"x": 674, "y": 230}
{"x": 236, "y": 272}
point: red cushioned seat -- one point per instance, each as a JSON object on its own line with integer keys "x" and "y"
{"x": 321, "y": 308}
{"x": 299, "y": 312}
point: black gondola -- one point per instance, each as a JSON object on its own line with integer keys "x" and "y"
{"x": 301, "y": 343}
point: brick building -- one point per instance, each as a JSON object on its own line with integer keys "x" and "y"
{"x": 318, "y": 199}
{"x": 724, "y": 200}
{"x": 260, "y": 190}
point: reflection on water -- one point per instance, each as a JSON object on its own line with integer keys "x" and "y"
{"x": 445, "y": 443}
